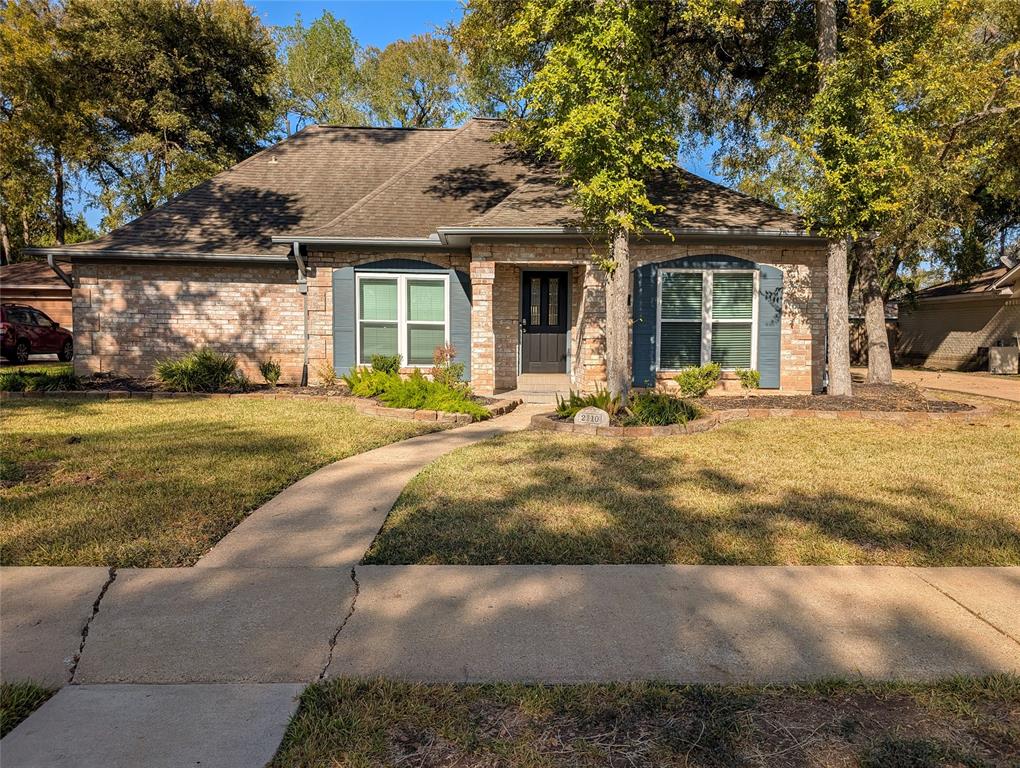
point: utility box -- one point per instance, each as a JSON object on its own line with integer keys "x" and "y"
{"x": 1004, "y": 359}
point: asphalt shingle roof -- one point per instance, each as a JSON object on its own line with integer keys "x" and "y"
{"x": 344, "y": 182}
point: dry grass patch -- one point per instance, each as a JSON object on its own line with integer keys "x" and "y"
{"x": 778, "y": 491}
{"x": 381, "y": 723}
{"x": 156, "y": 483}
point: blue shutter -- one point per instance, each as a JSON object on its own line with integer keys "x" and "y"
{"x": 770, "y": 324}
{"x": 643, "y": 306}
{"x": 344, "y": 322}
{"x": 460, "y": 318}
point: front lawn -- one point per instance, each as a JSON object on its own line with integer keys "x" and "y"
{"x": 829, "y": 725}
{"x": 771, "y": 492}
{"x": 156, "y": 483}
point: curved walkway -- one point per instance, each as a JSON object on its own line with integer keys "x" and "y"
{"x": 280, "y": 602}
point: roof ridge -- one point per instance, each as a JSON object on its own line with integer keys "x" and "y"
{"x": 361, "y": 202}
{"x": 385, "y": 127}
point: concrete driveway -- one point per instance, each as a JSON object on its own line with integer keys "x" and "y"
{"x": 977, "y": 383}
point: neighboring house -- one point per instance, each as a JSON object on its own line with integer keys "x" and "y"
{"x": 35, "y": 284}
{"x": 952, "y": 325}
{"x": 381, "y": 240}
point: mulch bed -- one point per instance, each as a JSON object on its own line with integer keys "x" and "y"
{"x": 104, "y": 382}
{"x": 866, "y": 397}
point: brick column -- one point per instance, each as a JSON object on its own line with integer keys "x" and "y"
{"x": 483, "y": 338}
{"x": 591, "y": 373}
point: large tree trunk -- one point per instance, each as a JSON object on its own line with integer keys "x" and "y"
{"x": 26, "y": 233}
{"x": 825, "y": 28}
{"x": 618, "y": 317}
{"x": 879, "y": 359}
{"x": 58, "y": 196}
{"x": 5, "y": 242}
{"x": 838, "y": 321}
{"x": 838, "y": 295}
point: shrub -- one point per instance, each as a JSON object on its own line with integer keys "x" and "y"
{"x": 270, "y": 370}
{"x": 200, "y": 371}
{"x": 749, "y": 378}
{"x": 660, "y": 409}
{"x": 386, "y": 363}
{"x": 241, "y": 381}
{"x": 601, "y": 398}
{"x": 327, "y": 375}
{"x": 368, "y": 382}
{"x": 418, "y": 392}
{"x": 695, "y": 382}
{"x": 38, "y": 381}
{"x": 444, "y": 370}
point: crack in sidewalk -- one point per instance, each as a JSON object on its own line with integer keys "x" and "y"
{"x": 340, "y": 627}
{"x": 111, "y": 576}
{"x": 969, "y": 610}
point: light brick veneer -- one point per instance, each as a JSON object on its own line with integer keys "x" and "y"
{"x": 494, "y": 327}
{"x": 127, "y": 316}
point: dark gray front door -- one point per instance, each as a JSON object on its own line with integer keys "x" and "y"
{"x": 544, "y": 322}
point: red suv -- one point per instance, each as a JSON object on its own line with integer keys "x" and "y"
{"x": 26, "y": 331}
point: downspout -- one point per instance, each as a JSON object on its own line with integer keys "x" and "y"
{"x": 52, "y": 261}
{"x": 302, "y": 282}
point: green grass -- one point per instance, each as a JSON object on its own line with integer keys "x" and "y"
{"x": 44, "y": 366}
{"x": 964, "y": 722}
{"x": 156, "y": 483}
{"x": 773, "y": 492}
{"x": 18, "y": 701}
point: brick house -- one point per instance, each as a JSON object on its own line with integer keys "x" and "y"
{"x": 339, "y": 243}
{"x": 952, "y": 325}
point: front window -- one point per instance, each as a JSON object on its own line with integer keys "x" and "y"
{"x": 707, "y": 316}
{"x": 402, "y": 315}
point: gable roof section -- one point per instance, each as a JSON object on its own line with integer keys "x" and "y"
{"x": 460, "y": 178}
{"x": 689, "y": 203}
{"x": 301, "y": 182}
{"x": 349, "y": 184}
{"x": 990, "y": 282}
{"x": 30, "y": 274}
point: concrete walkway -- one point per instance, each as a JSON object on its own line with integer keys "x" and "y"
{"x": 983, "y": 384}
{"x": 259, "y": 616}
{"x": 188, "y": 665}
{"x": 689, "y": 624}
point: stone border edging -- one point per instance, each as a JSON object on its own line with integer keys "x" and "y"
{"x": 360, "y": 404}
{"x": 545, "y": 421}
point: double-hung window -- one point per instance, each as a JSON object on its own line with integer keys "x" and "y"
{"x": 708, "y": 316}
{"x": 404, "y": 315}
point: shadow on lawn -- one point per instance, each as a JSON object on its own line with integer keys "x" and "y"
{"x": 622, "y": 513}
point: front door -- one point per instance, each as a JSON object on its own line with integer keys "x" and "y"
{"x": 544, "y": 322}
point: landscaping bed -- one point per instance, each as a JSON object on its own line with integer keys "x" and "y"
{"x": 866, "y": 397}
{"x": 155, "y": 483}
{"x": 962, "y": 722}
{"x": 775, "y": 491}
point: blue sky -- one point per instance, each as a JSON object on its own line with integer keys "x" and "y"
{"x": 376, "y": 23}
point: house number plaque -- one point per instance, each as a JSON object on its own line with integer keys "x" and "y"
{"x": 595, "y": 417}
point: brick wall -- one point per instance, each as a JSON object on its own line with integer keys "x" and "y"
{"x": 804, "y": 288}
{"x": 128, "y": 316}
{"x": 946, "y": 333}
